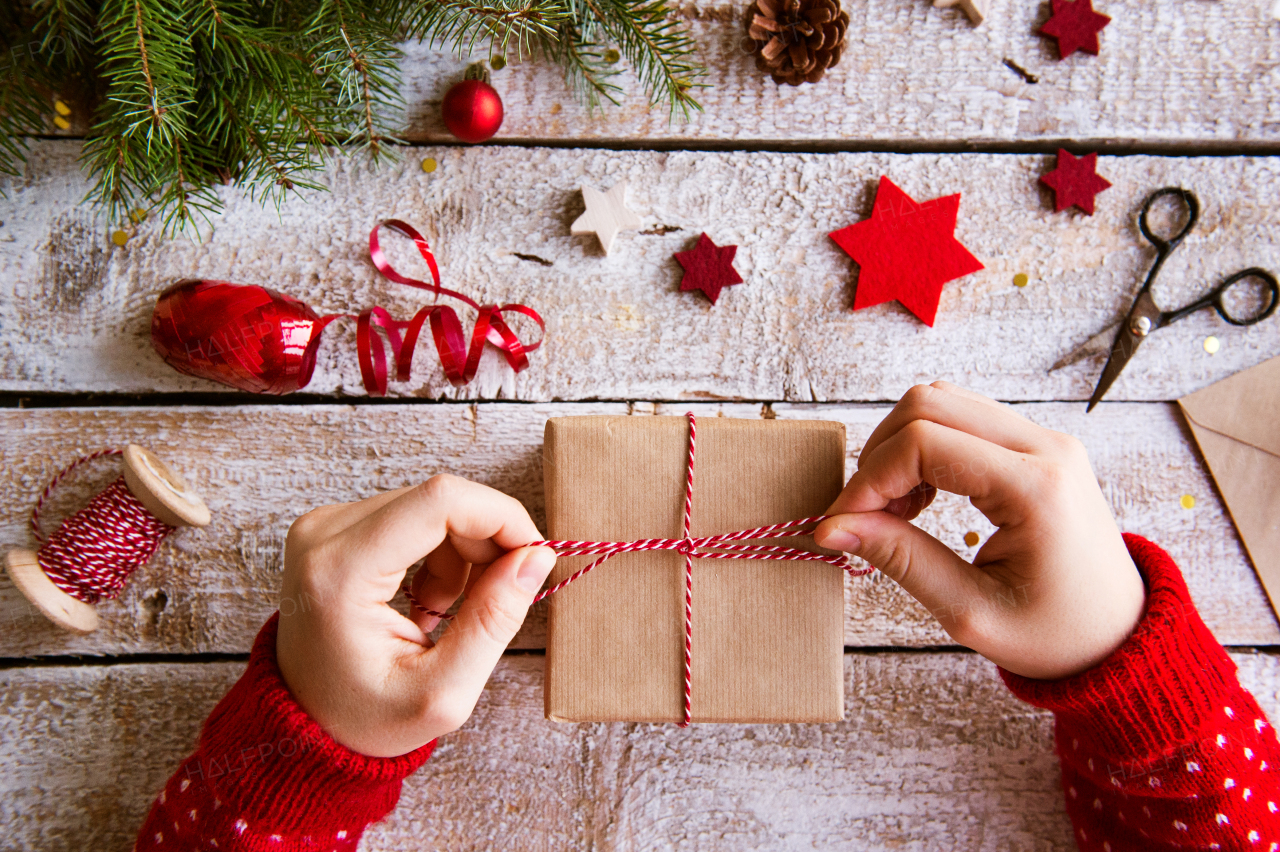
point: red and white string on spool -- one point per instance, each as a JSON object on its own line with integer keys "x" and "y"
{"x": 91, "y": 555}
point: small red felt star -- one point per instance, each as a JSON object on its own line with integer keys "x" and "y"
{"x": 1075, "y": 180}
{"x": 906, "y": 251}
{"x": 1076, "y": 26}
{"x": 708, "y": 267}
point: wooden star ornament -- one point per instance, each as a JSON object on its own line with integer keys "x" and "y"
{"x": 708, "y": 267}
{"x": 906, "y": 251}
{"x": 1075, "y": 181}
{"x": 606, "y": 214}
{"x": 1075, "y": 25}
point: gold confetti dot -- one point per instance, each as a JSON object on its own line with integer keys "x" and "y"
{"x": 61, "y": 123}
{"x": 555, "y": 108}
{"x": 1188, "y": 501}
{"x": 137, "y": 215}
{"x": 119, "y": 238}
{"x": 429, "y": 165}
{"x": 971, "y": 539}
{"x": 62, "y": 109}
{"x": 611, "y": 56}
{"x": 1020, "y": 280}
{"x": 497, "y": 63}
{"x": 1212, "y": 344}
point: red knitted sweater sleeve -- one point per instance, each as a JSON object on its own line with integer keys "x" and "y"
{"x": 266, "y": 777}
{"x": 1161, "y": 748}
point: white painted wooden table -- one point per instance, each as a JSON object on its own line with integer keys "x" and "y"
{"x": 934, "y": 754}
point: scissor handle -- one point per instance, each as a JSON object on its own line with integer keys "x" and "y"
{"x": 1215, "y": 296}
{"x": 1193, "y": 214}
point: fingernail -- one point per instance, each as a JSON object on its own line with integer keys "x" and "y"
{"x": 841, "y": 540}
{"x": 533, "y": 571}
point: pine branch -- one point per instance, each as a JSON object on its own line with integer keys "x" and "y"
{"x": 660, "y": 49}
{"x": 140, "y": 145}
{"x": 20, "y": 114}
{"x": 184, "y": 196}
{"x": 356, "y": 56}
{"x": 269, "y": 113}
{"x": 585, "y": 68}
{"x": 461, "y": 25}
{"x": 67, "y": 27}
{"x": 19, "y": 104}
{"x": 188, "y": 95}
{"x": 25, "y": 86}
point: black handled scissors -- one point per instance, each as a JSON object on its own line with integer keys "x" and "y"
{"x": 1123, "y": 339}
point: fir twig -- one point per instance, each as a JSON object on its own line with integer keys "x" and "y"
{"x": 461, "y": 25}
{"x": 659, "y": 48}
{"x": 585, "y": 68}
{"x": 140, "y": 146}
{"x": 357, "y": 59}
{"x": 276, "y": 136}
{"x": 20, "y": 111}
{"x": 24, "y": 87}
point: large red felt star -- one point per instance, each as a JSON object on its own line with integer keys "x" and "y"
{"x": 906, "y": 251}
{"x": 1076, "y": 26}
{"x": 708, "y": 267}
{"x": 1075, "y": 180}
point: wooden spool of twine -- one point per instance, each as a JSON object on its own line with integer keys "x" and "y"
{"x": 91, "y": 554}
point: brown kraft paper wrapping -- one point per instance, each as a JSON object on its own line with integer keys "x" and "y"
{"x": 768, "y": 636}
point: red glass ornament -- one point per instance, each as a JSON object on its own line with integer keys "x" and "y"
{"x": 472, "y": 111}
{"x": 247, "y": 337}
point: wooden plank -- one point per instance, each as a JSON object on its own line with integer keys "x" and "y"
{"x": 1170, "y": 73}
{"x": 617, "y": 327}
{"x": 934, "y": 753}
{"x": 1173, "y": 75}
{"x": 912, "y": 764}
{"x": 259, "y": 467}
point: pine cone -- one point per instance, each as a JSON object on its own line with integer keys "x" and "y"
{"x": 797, "y": 40}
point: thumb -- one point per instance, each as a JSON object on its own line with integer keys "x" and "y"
{"x": 488, "y": 619}
{"x": 931, "y": 572}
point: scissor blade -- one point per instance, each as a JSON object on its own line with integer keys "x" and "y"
{"x": 1145, "y": 312}
{"x": 1099, "y": 344}
{"x": 1126, "y": 343}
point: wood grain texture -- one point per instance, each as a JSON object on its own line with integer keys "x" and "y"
{"x": 258, "y": 468}
{"x": 1180, "y": 75}
{"x": 618, "y": 327}
{"x": 934, "y": 753}
{"x": 1175, "y": 73}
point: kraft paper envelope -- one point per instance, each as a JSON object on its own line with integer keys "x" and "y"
{"x": 1236, "y": 422}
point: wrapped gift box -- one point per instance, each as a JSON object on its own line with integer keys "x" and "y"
{"x": 768, "y": 636}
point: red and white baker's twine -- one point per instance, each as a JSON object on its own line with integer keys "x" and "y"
{"x": 708, "y": 547}
{"x": 92, "y": 554}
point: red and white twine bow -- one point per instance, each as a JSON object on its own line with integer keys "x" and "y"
{"x": 720, "y": 546}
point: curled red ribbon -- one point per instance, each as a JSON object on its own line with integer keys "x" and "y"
{"x": 458, "y": 360}
{"x": 262, "y": 341}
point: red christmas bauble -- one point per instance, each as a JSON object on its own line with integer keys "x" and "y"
{"x": 472, "y": 110}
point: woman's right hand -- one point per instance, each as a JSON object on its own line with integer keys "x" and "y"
{"x": 1053, "y": 592}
